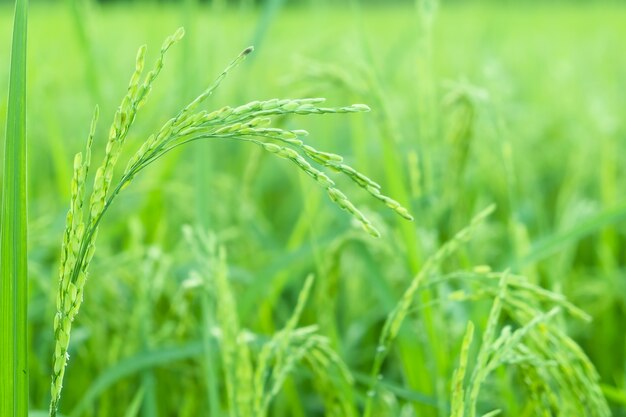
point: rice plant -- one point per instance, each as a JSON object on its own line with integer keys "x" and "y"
{"x": 557, "y": 376}
{"x": 250, "y": 123}
{"x": 272, "y": 304}
{"x": 251, "y": 385}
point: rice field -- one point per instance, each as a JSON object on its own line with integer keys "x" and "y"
{"x": 443, "y": 235}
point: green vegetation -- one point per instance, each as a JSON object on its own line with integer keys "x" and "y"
{"x": 226, "y": 284}
{"x": 14, "y": 233}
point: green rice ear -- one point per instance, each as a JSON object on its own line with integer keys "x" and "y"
{"x": 248, "y": 123}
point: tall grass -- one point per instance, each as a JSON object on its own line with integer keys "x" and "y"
{"x": 13, "y": 235}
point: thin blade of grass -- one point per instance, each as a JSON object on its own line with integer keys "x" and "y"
{"x": 13, "y": 232}
{"x": 398, "y": 390}
{"x": 133, "y": 365}
{"x": 551, "y": 244}
{"x": 614, "y": 395}
{"x": 80, "y": 22}
{"x": 42, "y": 413}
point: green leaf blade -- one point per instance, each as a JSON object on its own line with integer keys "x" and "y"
{"x": 13, "y": 234}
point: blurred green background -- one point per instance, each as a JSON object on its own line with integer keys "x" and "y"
{"x": 515, "y": 103}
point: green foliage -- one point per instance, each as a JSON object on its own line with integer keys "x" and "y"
{"x": 469, "y": 108}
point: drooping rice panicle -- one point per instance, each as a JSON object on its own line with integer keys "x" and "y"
{"x": 250, "y": 123}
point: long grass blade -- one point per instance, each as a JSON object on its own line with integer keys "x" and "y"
{"x": 552, "y": 244}
{"x": 13, "y": 232}
{"x": 132, "y": 366}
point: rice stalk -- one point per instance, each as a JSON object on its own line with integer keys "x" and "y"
{"x": 269, "y": 381}
{"x": 78, "y": 10}
{"x": 237, "y": 362}
{"x": 458, "y": 390}
{"x": 481, "y": 367}
{"x": 394, "y": 320}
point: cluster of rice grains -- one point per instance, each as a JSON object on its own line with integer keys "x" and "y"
{"x": 248, "y": 123}
{"x": 556, "y": 377}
